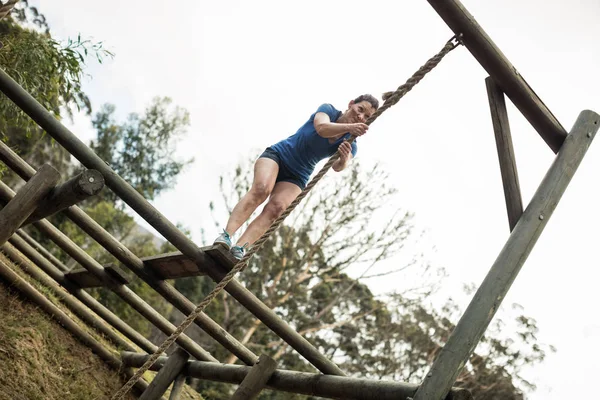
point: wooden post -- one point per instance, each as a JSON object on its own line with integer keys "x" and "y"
{"x": 310, "y": 384}
{"x": 134, "y": 263}
{"x": 42, "y": 250}
{"x": 28, "y": 251}
{"x": 504, "y": 73}
{"x": 483, "y": 306}
{"x": 256, "y": 379}
{"x": 177, "y": 387}
{"x": 75, "y": 306}
{"x": 159, "y": 222}
{"x": 506, "y": 154}
{"x": 166, "y": 375}
{"x": 89, "y": 263}
{"x": 24, "y": 203}
{"x": 83, "y": 186}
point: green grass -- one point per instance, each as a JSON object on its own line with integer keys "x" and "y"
{"x": 39, "y": 359}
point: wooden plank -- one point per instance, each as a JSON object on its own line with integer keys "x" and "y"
{"x": 85, "y": 279}
{"x": 504, "y": 73}
{"x": 166, "y": 375}
{"x": 222, "y": 256}
{"x": 175, "y": 265}
{"x": 506, "y": 153}
{"x": 486, "y": 301}
{"x": 24, "y": 203}
{"x": 172, "y": 266}
{"x": 256, "y": 379}
{"x": 83, "y": 186}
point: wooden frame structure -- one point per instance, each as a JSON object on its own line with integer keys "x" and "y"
{"x": 40, "y": 197}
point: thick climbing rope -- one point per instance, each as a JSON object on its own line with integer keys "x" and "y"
{"x": 6, "y": 8}
{"x": 390, "y": 98}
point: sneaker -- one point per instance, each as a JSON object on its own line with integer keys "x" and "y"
{"x": 223, "y": 238}
{"x": 238, "y": 251}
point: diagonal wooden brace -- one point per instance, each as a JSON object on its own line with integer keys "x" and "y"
{"x": 256, "y": 379}
{"x": 506, "y": 153}
{"x": 166, "y": 375}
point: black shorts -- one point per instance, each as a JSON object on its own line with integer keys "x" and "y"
{"x": 284, "y": 174}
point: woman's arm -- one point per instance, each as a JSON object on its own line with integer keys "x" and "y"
{"x": 327, "y": 129}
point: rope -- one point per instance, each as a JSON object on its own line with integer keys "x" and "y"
{"x": 6, "y": 8}
{"x": 390, "y": 98}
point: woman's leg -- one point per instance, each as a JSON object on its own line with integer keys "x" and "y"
{"x": 265, "y": 175}
{"x": 281, "y": 197}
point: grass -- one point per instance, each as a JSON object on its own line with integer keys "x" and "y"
{"x": 39, "y": 359}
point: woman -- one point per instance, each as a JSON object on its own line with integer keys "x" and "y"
{"x": 282, "y": 170}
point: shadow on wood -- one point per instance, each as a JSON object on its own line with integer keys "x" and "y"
{"x": 85, "y": 279}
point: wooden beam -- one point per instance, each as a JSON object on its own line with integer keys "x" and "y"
{"x": 158, "y": 221}
{"x": 42, "y": 250}
{"x": 24, "y": 203}
{"x": 256, "y": 379}
{"x": 176, "y": 265}
{"x": 486, "y": 301}
{"x": 77, "y": 307}
{"x": 130, "y": 297}
{"x": 506, "y": 153}
{"x": 85, "y": 279}
{"x": 310, "y": 384}
{"x": 28, "y": 251}
{"x": 83, "y": 186}
{"x": 166, "y": 375}
{"x": 136, "y": 265}
{"x": 504, "y": 73}
{"x": 177, "y": 388}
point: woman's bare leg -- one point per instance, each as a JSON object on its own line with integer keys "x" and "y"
{"x": 281, "y": 197}
{"x": 265, "y": 174}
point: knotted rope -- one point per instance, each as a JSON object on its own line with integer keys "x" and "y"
{"x": 390, "y": 98}
{"x": 7, "y": 7}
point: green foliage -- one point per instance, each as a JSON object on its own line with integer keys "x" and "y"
{"x": 142, "y": 149}
{"x": 51, "y": 71}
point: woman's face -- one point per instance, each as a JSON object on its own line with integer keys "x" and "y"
{"x": 359, "y": 112}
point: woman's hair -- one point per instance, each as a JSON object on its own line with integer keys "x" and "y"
{"x": 367, "y": 97}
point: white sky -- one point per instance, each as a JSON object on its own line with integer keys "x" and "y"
{"x": 250, "y": 73}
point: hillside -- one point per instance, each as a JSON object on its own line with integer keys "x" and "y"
{"x": 41, "y": 360}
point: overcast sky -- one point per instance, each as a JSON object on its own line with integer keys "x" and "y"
{"x": 251, "y": 72}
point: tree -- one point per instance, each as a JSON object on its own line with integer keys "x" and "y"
{"x": 51, "y": 71}
{"x": 314, "y": 272}
{"x": 142, "y": 149}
